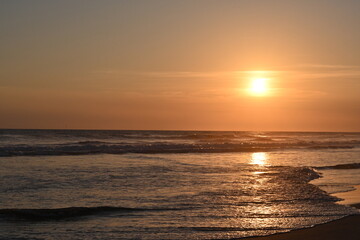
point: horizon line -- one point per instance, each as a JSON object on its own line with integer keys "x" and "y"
{"x": 178, "y": 130}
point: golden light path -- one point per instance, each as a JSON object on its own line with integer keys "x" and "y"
{"x": 259, "y": 158}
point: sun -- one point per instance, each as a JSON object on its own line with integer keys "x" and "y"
{"x": 259, "y": 83}
{"x": 258, "y": 87}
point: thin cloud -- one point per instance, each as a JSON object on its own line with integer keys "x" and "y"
{"x": 317, "y": 71}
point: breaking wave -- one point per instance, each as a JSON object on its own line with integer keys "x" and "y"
{"x": 63, "y": 213}
{"x": 341, "y": 166}
{"x": 96, "y": 147}
{"x": 82, "y": 142}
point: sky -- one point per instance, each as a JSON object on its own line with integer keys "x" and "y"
{"x": 180, "y": 65}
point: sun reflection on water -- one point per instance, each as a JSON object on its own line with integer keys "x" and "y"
{"x": 259, "y": 158}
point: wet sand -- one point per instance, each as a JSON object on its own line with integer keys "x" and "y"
{"x": 344, "y": 229}
{"x": 349, "y": 198}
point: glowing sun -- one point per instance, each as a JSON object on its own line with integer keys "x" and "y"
{"x": 258, "y": 87}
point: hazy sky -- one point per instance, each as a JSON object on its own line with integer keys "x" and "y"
{"x": 183, "y": 64}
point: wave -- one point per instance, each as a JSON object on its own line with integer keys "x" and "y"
{"x": 90, "y": 142}
{"x": 63, "y": 213}
{"x": 331, "y": 147}
{"x": 231, "y": 229}
{"x": 341, "y": 166}
{"x": 99, "y": 147}
{"x": 82, "y": 142}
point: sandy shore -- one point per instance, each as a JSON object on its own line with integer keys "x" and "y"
{"x": 344, "y": 229}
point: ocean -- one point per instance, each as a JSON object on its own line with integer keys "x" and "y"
{"x": 94, "y": 184}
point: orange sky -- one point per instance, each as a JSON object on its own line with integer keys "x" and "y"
{"x": 180, "y": 65}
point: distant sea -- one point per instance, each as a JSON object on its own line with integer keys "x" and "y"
{"x": 82, "y": 184}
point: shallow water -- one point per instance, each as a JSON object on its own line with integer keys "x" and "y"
{"x": 192, "y": 195}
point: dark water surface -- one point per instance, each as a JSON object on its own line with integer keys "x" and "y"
{"x": 66, "y": 184}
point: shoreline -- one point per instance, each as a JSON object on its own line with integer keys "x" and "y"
{"x": 346, "y": 228}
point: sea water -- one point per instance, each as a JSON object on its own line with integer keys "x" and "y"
{"x": 79, "y": 184}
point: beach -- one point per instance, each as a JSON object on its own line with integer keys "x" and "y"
{"x": 346, "y": 228}
{"x": 171, "y": 120}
